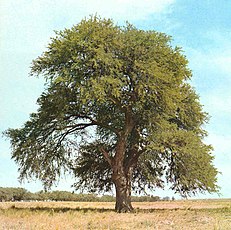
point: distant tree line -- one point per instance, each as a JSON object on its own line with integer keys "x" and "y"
{"x": 21, "y": 194}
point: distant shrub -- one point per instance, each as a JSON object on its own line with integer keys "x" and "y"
{"x": 19, "y": 194}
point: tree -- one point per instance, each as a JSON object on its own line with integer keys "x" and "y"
{"x": 118, "y": 110}
{"x": 13, "y": 194}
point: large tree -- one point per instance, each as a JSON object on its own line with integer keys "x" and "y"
{"x": 118, "y": 110}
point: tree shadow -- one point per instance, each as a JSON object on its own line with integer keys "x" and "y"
{"x": 61, "y": 209}
{"x": 105, "y": 210}
{"x": 85, "y": 210}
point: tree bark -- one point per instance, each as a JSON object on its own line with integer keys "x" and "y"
{"x": 122, "y": 181}
{"x": 122, "y": 172}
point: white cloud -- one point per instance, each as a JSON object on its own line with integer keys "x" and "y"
{"x": 117, "y": 9}
{"x": 120, "y": 9}
{"x": 211, "y": 65}
{"x": 127, "y": 9}
{"x": 224, "y": 62}
{"x": 212, "y": 70}
{"x": 212, "y": 60}
{"x": 27, "y": 25}
{"x": 215, "y": 54}
{"x": 221, "y": 144}
{"x": 219, "y": 104}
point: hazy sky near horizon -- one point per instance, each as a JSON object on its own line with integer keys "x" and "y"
{"x": 201, "y": 28}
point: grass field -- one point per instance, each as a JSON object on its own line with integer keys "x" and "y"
{"x": 190, "y": 214}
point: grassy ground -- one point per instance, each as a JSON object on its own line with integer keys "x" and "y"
{"x": 197, "y": 214}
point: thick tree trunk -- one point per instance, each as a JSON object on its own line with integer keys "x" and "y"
{"x": 122, "y": 170}
{"x": 122, "y": 183}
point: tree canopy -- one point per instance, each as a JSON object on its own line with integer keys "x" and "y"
{"x": 118, "y": 109}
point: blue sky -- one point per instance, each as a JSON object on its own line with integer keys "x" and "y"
{"x": 201, "y": 28}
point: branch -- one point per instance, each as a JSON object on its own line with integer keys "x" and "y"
{"x": 117, "y": 102}
{"x": 93, "y": 122}
{"x": 72, "y": 129}
{"x": 106, "y": 155}
{"x": 133, "y": 157}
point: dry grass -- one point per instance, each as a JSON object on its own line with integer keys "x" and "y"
{"x": 200, "y": 214}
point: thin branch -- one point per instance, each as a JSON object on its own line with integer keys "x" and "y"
{"x": 106, "y": 155}
{"x": 72, "y": 129}
{"x": 93, "y": 122}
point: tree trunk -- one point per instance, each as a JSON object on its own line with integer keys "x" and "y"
{"x": 122, "y": 183}
{"x": 122, "y": 172}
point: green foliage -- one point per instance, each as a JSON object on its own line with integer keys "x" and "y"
{"x": 21, "y": 194}
{"x": 145, "y": 198}
{"x": 12, "y": 194}
{"x": 105, "y": 83}
{"x": 91, "y": 169}
{"x": 64, "y": 196}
